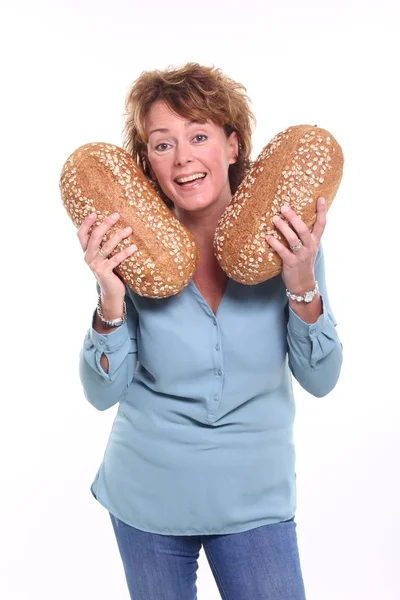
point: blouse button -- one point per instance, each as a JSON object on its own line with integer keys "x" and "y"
{"x": 217, "y": 347}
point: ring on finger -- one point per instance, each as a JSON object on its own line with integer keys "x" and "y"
{"x": 297, "y": 246}
{"x": 102, "y": 253}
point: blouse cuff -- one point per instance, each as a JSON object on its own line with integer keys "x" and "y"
{"x": 303, "y": 329}
{"x": 108, "y": 342}
{"x": 321, "y": 334}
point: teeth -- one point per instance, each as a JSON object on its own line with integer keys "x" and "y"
{"x": 190, "y": 177}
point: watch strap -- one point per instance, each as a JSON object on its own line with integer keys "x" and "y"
{"x": 306, "y": 297}
{"x": 113, "y": 323}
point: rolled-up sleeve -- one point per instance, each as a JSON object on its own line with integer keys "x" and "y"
{"x": 315, "y": 351}
{"x": 102, "y": 389}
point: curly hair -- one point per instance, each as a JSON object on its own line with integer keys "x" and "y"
{"x": 197, "y": 93}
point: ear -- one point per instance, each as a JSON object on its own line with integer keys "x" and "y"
{"x": 233, "y": 146}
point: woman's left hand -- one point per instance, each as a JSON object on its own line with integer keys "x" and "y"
{"x": 298, "y": 264}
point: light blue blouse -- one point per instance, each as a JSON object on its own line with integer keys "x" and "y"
{"x": 202, "y": 442}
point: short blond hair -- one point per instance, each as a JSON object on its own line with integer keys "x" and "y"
{"x": 197, "y": 93}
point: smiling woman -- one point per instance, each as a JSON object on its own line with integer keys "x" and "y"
{"x": 199, "y": 95}
{"x": 190, "y": 160}
{"x": 202, "y": 443}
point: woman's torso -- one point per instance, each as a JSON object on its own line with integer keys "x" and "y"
{"x": 202, "y": 441}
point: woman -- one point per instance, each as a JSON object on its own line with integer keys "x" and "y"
{"x": 201, "y": 449}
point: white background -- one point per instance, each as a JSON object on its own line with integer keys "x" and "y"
{"x": 66, "y": 69}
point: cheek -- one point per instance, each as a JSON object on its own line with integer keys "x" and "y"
{"x": 222, "y": 160}
{"x": 159, "y": 170}
{"x": 217, "y": 160}
{"x": 222, "y": 154}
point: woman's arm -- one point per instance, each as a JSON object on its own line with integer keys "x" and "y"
{"x": 107, "y": 361}
{"x": 315, "y": 351}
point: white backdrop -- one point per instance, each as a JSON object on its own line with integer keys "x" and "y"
{"x": 66, "y": 69}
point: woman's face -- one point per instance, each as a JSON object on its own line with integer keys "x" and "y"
{"x": 190, "y": 160}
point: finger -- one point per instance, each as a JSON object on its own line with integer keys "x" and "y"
{"x": 108, "y": 247}
{"x": 105, "y": 266}
{"x": 117, "y": 259}
{"x": 297, "y": 224}
{"x": 286, "y": 255}
{"x": 97, "y": 235}
{"x": 320, "y": 223}
{"x": 290, "y": 235}
{"x": 83, "y": 231}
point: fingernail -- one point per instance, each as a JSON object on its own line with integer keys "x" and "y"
{"x": 128, "y": 229}
{"x": 285, "y": 208}
{"x": 275, "y": 219}
{"x": 93, "y": 215}
{"x": 115, "y": 215}
{"x": 321, "y": 200}
{"x": 132, "y": 248}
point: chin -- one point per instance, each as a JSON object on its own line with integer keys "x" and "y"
{"x": 200, "y": 202}
{"x": 195, "y": 205}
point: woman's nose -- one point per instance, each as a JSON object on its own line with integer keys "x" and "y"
{"x": 183, "y": 153}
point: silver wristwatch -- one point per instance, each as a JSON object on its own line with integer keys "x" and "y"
{"x": 306, "y": 297}
{"x": 114, "y": 322}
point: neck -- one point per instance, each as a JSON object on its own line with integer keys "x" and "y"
{"x": 202, "y": 223}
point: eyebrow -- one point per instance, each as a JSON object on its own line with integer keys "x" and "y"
{"x": 165, "y": 130}
{"x": 160, "y": 130}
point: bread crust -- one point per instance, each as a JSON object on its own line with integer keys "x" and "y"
{"x": 104, "y": 178}
{"x": 299, "y": 165}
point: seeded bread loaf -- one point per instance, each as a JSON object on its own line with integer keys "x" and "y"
{"x": 104, "y": 178}
{"x": 298, "y": 166}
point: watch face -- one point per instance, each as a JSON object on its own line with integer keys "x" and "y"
{"x": 308, "y": 296}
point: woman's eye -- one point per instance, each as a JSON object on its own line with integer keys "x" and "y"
{"x": 200, "y": 137}
{"x": 162, "y": 147}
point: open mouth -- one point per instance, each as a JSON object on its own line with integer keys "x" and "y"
{"x": 190, "y": 180}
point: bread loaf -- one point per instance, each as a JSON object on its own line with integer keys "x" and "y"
{"x": 298, "y": 166}
{"x": 104, "y": 178}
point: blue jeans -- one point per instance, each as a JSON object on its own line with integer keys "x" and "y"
{"x": 260, "y": 564}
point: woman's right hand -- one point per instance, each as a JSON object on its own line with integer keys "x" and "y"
{"x": 112, "y": 287}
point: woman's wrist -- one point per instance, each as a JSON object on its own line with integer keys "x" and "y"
{"x": 300, "y": 286}
{"x": 111, "y": 307}
{"x": 99, "y": 326}
{"x": 308, "y": 312}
